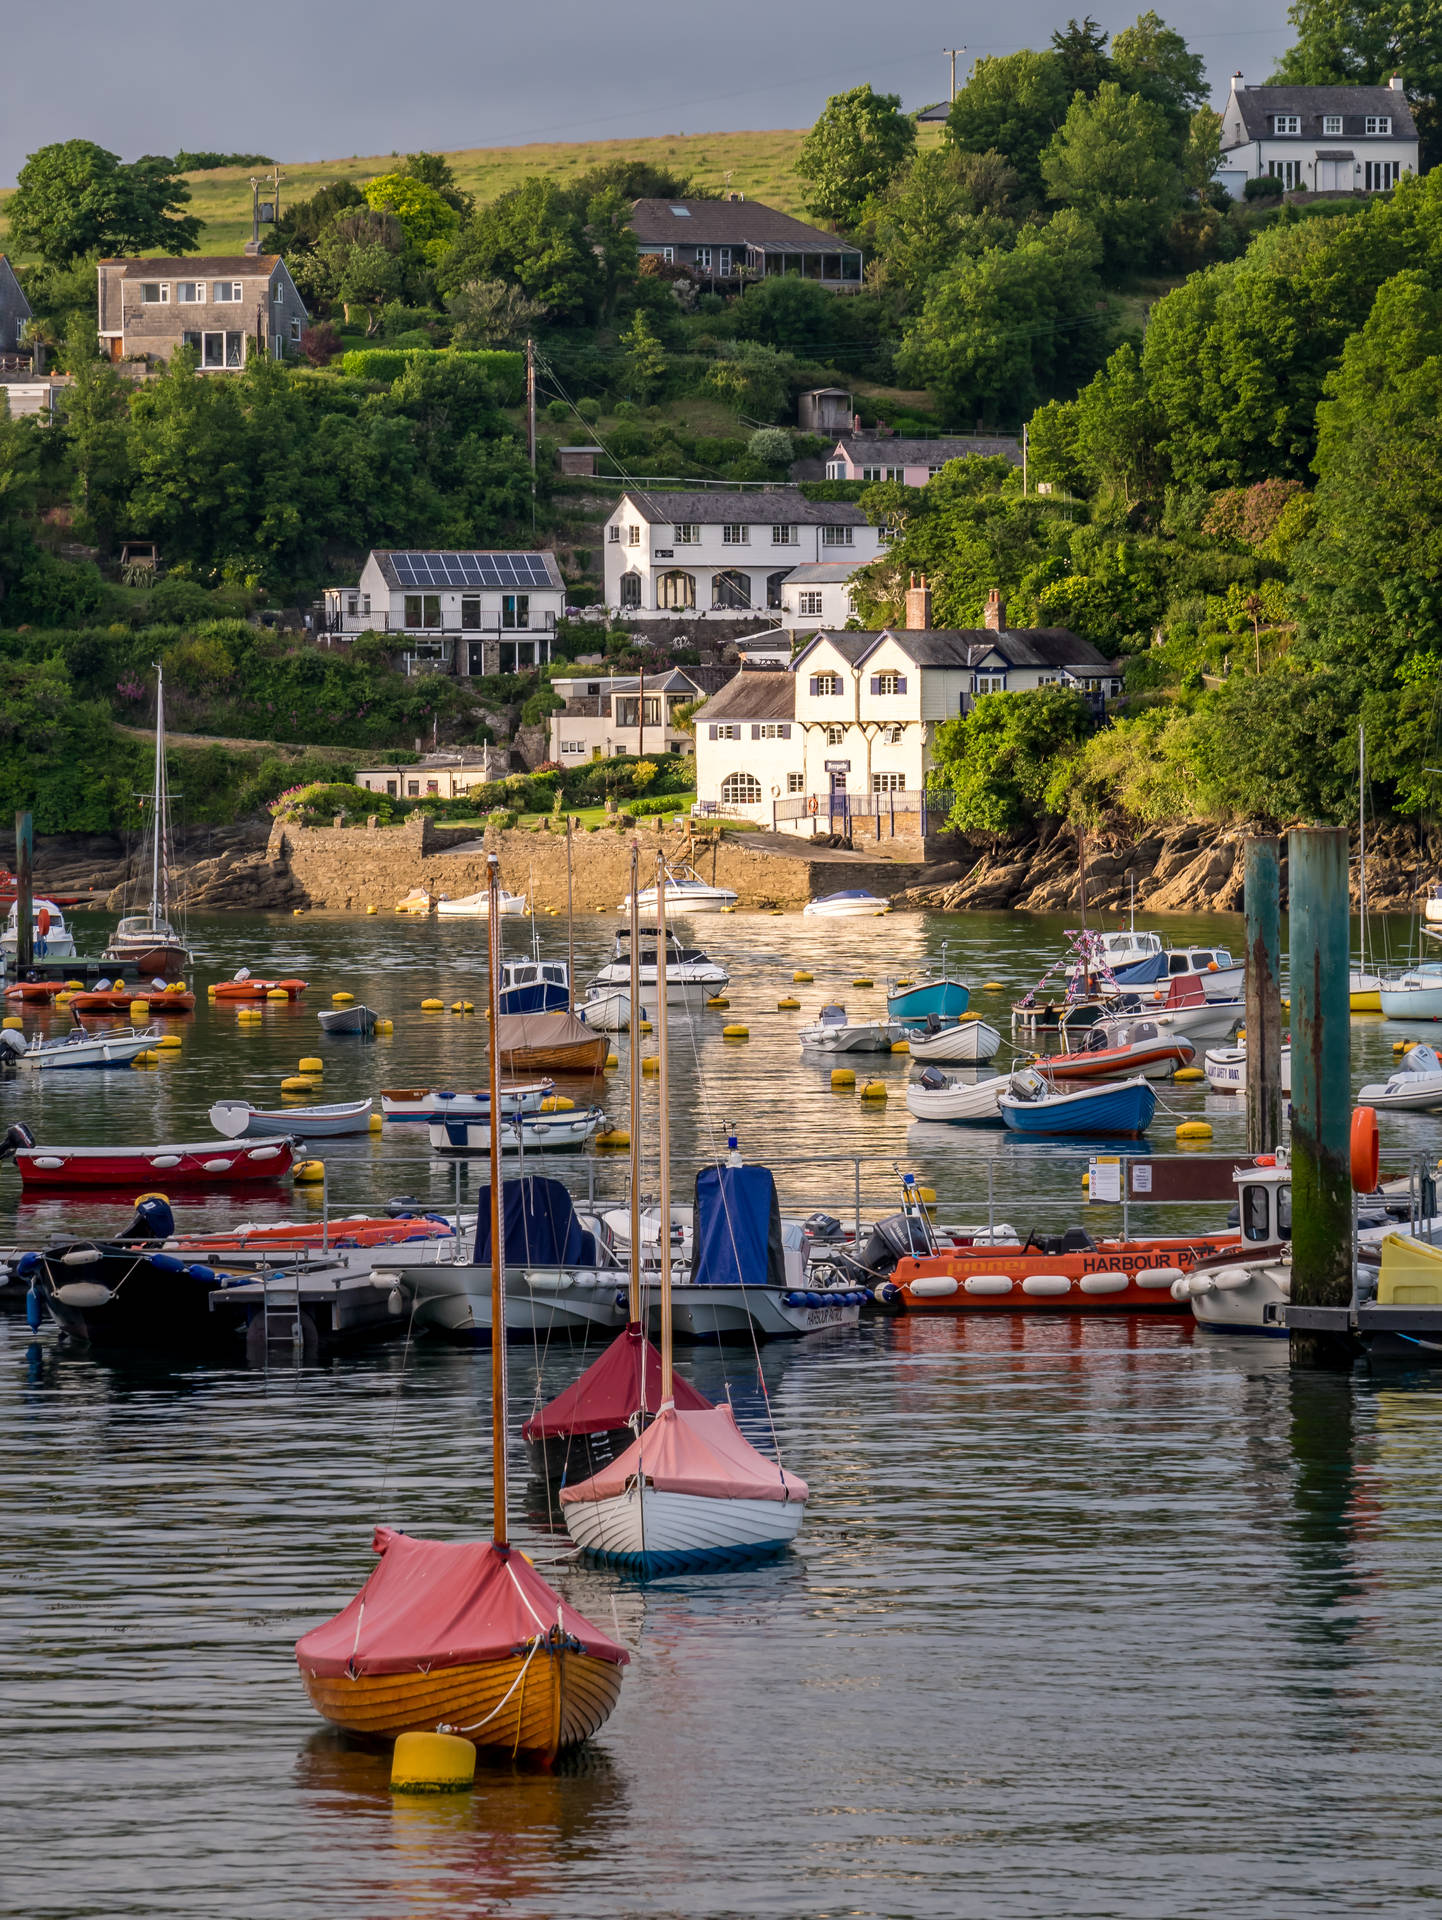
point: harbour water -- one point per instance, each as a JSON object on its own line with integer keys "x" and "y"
{"x": 1085, "y": 1619}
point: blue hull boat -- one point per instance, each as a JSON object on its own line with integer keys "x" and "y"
{"x": 943, "y": 996}
{"x": 534, "y": 986}
{"x": 1119, "y": 1109}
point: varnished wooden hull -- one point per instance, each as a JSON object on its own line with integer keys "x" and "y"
{"x": 563, "y": 1699}
{"x": 588, "y": 1056}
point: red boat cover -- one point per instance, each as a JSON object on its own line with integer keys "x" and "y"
{"x": 432, "y": 1604}
{"x": 1186, "y": 993}
{"x": 700, "y": 1453}
{"x": 609, "y": 1392}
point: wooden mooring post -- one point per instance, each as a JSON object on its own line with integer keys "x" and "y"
{"x": 1262, "y": 900}
{"x": 24, "y": 893}
{"x": 1321, "y": 1088}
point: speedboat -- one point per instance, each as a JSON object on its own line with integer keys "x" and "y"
{"x": 1226, "y": 1068}
{"x": 1213, "y": 968}
{"x": 852, "y": 905}
{"x": 52, "y": 939}
{"x": 1414, "y": 1087}
{"x": 1415, "y": 995}
{"x": 686, "y": 893}
{"x": 964, "y": 1042}
{"x": 475, "y": 906}
{"x": 1116, "y": 1045}
{"x": 431, "y": 1106}
{"x": 1032, "y": 1105}
{"x": 692, "y": 976}
{"x": 960, "y": 1103}
{"x": 564, "y": 1126}
{"x": 117, "y": 1047}
{"x": 834, "y": 1033}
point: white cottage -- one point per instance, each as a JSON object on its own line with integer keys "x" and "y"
{"x": 1317, "y": 139}
{"x": 463, "y": 612}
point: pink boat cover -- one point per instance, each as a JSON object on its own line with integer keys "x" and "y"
{"x": 432, "y": 1604}
{"x": 609, "y": 1392}
{"x": 700, "y": 1453}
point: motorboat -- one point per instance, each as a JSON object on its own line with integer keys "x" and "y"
{"x": 51, "y": 938}
{"x": 938, "y": 996}
{"x": 1414, "y": 995}
{"x": 535, "y": 986}
{"x": 198, "y": 1164}
{"x": 608, "y": 1010}
{"x": 476, "y": 906}
{"x": 1187, "y": 1010}
{"x": 686, "y": 893}
{"x": 431, "y": 1106}
{"x": 854, "y": 904}
{"x": 959, "y": 1103}
{"x": 355, "y": 1018}
{"x": 149, "y": 941}
{"x": 117, "y": 1047}
{"x": 1226, "y": 1068}
{"x": 1249, "y": 1294}
{"x": 965, "y": 1042}
{"x": 555, "y": 1042}
{"x": 1413, "y": 1087}
{"x": 1119, "y": 1045}
{"x": 1117, "y": 1109}
{"x": 1213, "y": 968}
{"x": 238, "y": 1119}
{"x": 544, "y": 1132}
{"x": 832, "y": 1032}
{"x": 692, "y": 976}
{"x": 245, "y": 986}
{"x": 1127, "y": 948}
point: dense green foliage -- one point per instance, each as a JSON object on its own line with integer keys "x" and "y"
{"x": 75, "y": 198}
{"x": 853, "y": 151}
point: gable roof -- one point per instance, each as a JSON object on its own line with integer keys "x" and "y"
{"x": 752, "y": 509}
{"x": 963, "y": 647}
{"x": 754, "y": 694}
{"x": 883, "y": 450}
{"x": 1257, "y": 105}
{"x": 17, "y": 291}
{"x": 669, "y": 223}
{"x": 821, "y": 573}
{"x": 199, "y": 266}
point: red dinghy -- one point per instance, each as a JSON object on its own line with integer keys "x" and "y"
{"x": 112, "y": 1001}
{"x": 213, "y": 1163}
{"x": 591, "y": 1422}
{"x": 1120, "y": 1047}
{"x": 35, "y": 992}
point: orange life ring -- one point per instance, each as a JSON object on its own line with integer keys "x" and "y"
{"x": 813, "y": 805}
{"x": 42, "y": 920}
{"x": 1365, "y": 1148}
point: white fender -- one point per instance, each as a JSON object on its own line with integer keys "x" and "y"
{"x": 83, "y": 1293}
{"x": 1104, "y": 1283}
{"x": 213, "y": 1166}
{"x": 1046, "y": 1285}
{"x": 1230, "y": 1279}
{"x": 1181, "y": 1289}
{"x": 81, "y": 1257}
{"x": 1200, "y": 1285}
{"x": 933, "y": 1287}
{"x": 987, "y": 1283}
{"x": 1160, "y": 1277}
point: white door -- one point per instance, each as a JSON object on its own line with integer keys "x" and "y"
{"x": 1327, "y": 181}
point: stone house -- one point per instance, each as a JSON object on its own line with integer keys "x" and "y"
{"x": 225, "y": 306}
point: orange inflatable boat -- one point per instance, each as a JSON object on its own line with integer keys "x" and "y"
{"x": 256, "y": 989}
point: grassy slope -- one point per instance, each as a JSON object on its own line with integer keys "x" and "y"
{"x": 760, "y": 165}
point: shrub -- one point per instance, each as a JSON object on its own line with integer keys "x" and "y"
{"x": 503, "y": 817}
{"x": 1266, "y": 187}
{"x": 320, "y": 344}
{"x": 658, "y": 803}
{"x": 589, "y": 409}
{"x": 318, "y": 802}
{"x": 558, "y": 411}
{"x": 771, "y": 446}
{"x": 506, "y": 369}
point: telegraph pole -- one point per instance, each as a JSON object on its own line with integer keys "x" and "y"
{"x": 953, "y": 51}
{"x": 531, "y": 422}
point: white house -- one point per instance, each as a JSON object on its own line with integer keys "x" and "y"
{"x": 853, "y": 738}
{"x": 1317, "y": 139}
{"x": 623, "y": 715}
{"x": 466, "y": 613}
{"x": 670, "y": 554}
{"x": 886, "y": 456}
{"x": 440, "y": 776}
{"x": 818, "y": 596}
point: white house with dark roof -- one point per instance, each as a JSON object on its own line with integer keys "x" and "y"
{"x": 818, "y": 596}
{"x": 1317, "y": 139}
{"x": 670, "y": 554}
{"x": 880, "y": 456}
{"x": 627, "y": 714}
{"x": 733, "y": 240}
{"x": 467, "y": 612}
{"x": 225, "y": 306}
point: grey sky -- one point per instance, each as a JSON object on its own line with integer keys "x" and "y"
{"x": 318, "y": 79}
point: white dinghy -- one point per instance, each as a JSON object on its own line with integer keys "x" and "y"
{"x": 966, "y": 1042}
{"x": 957, "y": 1102}
{"x": 1415, "y": 1086}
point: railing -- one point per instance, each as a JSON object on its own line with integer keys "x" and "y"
{"x": 381, "y": 623}
{"x": 835, "y": 812}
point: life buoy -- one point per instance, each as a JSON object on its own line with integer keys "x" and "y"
{"x": 813, "y": 805}
{"x": 42, "y": 920}
{"x": 1365, "y": 1148}
{"x": 775, "y": 791}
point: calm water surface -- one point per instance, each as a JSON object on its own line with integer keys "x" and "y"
{"x": 1097, "y": 1619}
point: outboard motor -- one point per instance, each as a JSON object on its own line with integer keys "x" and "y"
{"x": 932, "y": 1078}
{"x": 15, "y": 1137}
{"x": 12, "y": 1042}
{"x": 153, "y": 1220}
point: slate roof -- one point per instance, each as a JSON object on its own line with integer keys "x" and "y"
{"x": 821, "y": 573}
{"x": 733, "y": 223}
{"x": 849, "y": 644}
{"x": 198, "y": 266}
{"x": 882, "y": 450}
{"x": 1055, "y": 647}
{"x": 754, "y": 509}
{"x": 1257, "y": 105}
{"x": 753, "y": 695}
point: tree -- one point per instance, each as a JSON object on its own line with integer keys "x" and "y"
{"x": 424, "y": 215}
{"x": 303, "y": 222}
{"x": 1081, "y": 46}
{"x": 853, "y": 150}
{"x": 997, "y": 759}
{"x": 491, "y": 313}
{"x": 75, "y": 198}
{"x": 95, "y": 425}
{"x": 1153, "y": 61}
{"x": 1012, "y": 105}
{"x": 613, "y": 243}
{"x": 1111, "y": 161}
{"x": 645, "y": 360}
{"x": 435, "y": 171}
{"x": 944, "y": 206}
{"x": 531, "y": 236}
{"x": 359, "y": 261}
{"x": 1118, "y": 432}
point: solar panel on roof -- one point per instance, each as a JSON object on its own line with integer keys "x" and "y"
{"x": 471, "y": 569}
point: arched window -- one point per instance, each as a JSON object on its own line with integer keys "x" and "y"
{"x": 740, "y": 790}
{"x": 774, "y": 584}
{"x": 630, "y": 589}
{"x": 676, "y": 589}
{"x": 731, "y": 589}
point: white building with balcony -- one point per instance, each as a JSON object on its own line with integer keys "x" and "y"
{"x": 469, "y": 613}
{"x": 671, "y": 555}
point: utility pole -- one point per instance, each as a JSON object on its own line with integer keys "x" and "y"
{"x": 1023, "y": 457}
{"x": 24, "y": 893}
{"x": 531, "y": 422}
{"x": 953, "y": 51}
{"x": 641, "y": 715}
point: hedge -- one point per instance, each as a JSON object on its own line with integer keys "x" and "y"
{"x": 506, "y": 368}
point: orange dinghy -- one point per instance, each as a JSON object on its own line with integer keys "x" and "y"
{"x": 465, "y": 1639}
{"x": 256, "y": 989}
{"x": 113, "y": 1000}
{"x": 289, "y": 1236}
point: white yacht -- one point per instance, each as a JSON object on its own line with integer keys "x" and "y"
{"x": 53, "y": 939}
{"x": 686, "y": 893}
{"x": 692, "y": 976}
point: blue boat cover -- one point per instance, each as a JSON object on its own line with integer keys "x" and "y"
{"x": 539, "y": 1227}
{"x": 1142, "y": 972}
{"x": 737, "y": 1237}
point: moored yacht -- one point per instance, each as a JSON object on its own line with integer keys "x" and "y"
{"x": 692, "y": 976}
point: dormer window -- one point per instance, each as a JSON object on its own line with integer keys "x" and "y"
{"x": 1379, "y": 123}
{"x": 1286, "y": 123}
{"x": 1332, "y": 124}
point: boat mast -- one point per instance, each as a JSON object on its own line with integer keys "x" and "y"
{"x": 635, "y": 1064}
{"x": 570, "y": 928}
{"x": 498, "y": 1305}
{"x": 663, "y": 1091}
{"x": 159, "y": 852}
{"x": 1362, "y": 840}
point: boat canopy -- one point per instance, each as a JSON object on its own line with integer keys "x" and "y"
{"x": 538, "y": 1225}
{"x": 434, "y": 1604}
{"x": 609, "y": 1393}
{"x": 557, "y": 1028}
{"x": 1142, "y": 972}
{"x": 736, "y": 1241}
{"x": 704, "y": 1454}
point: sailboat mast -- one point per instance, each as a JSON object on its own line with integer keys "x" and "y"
{"x": 159, "y": 856}
{"x": 570, "y": 928}
{"x": 498, "y": 1256}
{"x": 1362, "y": 839}
{"x": 663, "y": 1090}
{"x": 635, "y": 1063}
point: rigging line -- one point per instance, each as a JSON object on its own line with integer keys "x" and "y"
{"x": 396, "y": 1402}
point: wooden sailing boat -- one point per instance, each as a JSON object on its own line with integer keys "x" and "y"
{"x": 690, "y": 1493}
{"x": 466, "y": 1639}
{"x": 147, "y": 941}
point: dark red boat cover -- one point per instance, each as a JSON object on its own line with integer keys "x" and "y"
{"x": 609, "y": 1392}
{"x": 431, "y": 1604}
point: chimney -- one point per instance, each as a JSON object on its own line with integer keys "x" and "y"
{"x": 995, "y": 612}
{"x": 918, "y": 605}
{"x": 1395, "y": 83}
{"x": 1237, "y": 81}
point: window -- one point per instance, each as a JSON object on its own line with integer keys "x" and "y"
{"x": 774, "y": 584}
{"x": 154, "y": 293}
{"x": 190, "y": 292}
{"x": 703, "y": 259}
{"x": 687, "y": 533}
{"x": 723, "y": 261}
{"x": 295, "y": 330}
{"x": 1256, "y": 1213}
{"x": 784, "y": 537}
{"x": 884, "y": 473}
{"x": 668, "y": 254}
{"x": 823, "y": 685}
{"x": 771, "y": 730}
{"x": 682, "y": 213}
{"x": 888, "y": 783}
{"x": 1379, "y": 123}
{"x": 1289, "y": 172}
{"x": 836, "y": 536}
{"x": 633, "y": 536}
{"x": 413, "y": 786}
{"x": 885, "y": 683}
{"x": 740, "y": 790}
{"x": 836, "y": 736}
{"x": 423, "y": 610}
{"x": 796, "y": 783}
{"x": 433, "y": 786}
{"x": 614, "y": 534}
{"x": 222, "y": 349}
{"x": 227, "y": 292}
{"x": 191, "y": 339}
{"x": 1286, "y": 123}
{"x": 731, "y": 589}
{"x": 892, "y": 736}
{"x": 735, "y": 534}
{"x": 1331, "y": 123}
{"x": 1379, "y": 175}
{"x": 515, "y": 609}
{"x": 630, "y": 589}
{"x": 471, "y": 613}
{"x": 809, "y": 602}
{"x": 836, "y": 470}
{"x": 573, "y": 746}
{"x": 390, "y": 787}
{"x": 989, "y": 682}
{"x": 723, "y": 731}
{"x": 676, "y": 590}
